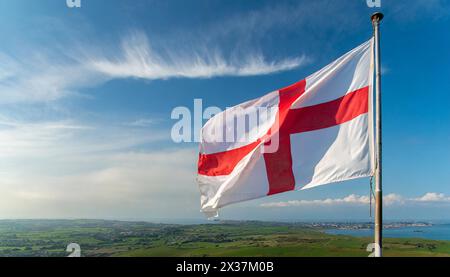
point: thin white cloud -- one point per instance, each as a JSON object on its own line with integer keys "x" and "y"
{"x": 44, "y": 77}
{"x": 137, "y": 59}
{"x": 39, "y": 78}
{"x": 388, "y": 200}
{"x": 67, "y": 138}
{"x": 310, "y": 18}
{"x": 143, "y": 122}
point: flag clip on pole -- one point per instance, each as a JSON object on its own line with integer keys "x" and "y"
{"x": 376, "y": 19}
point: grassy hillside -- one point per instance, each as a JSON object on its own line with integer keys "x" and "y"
{"x": 113, "y": 238}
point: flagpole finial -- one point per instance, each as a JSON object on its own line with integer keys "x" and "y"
{"x": 377, "y": 17}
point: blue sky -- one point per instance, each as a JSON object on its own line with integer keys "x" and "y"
{"x": 87, "y": 93}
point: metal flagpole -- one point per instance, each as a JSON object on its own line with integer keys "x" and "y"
{"x": 376, "y": 19}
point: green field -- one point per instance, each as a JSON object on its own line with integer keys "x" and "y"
{"x": 141, "y": 239}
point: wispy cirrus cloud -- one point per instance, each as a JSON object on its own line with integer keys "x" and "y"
{"x": 41, "y": 78}
{"x": 137, "y": 59}
{"x": 38, "y": 140}
{"x": 143, "y": 122}
{"x": 353, "y": 199}
{"x": 44, "y": 77}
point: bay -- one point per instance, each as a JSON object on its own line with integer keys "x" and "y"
{"x": 434, "y": 232}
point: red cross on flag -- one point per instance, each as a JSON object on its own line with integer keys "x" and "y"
{"x": 315, "y": 132}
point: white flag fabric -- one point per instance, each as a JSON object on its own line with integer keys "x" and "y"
{"x": 314, "y": 132}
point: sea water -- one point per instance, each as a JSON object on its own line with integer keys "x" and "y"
{"x": 434, "y": 232}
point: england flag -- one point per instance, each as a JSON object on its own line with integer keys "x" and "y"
{"x": 315, "y": 132}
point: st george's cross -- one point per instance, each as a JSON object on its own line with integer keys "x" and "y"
{"x": 321, "y": 129}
